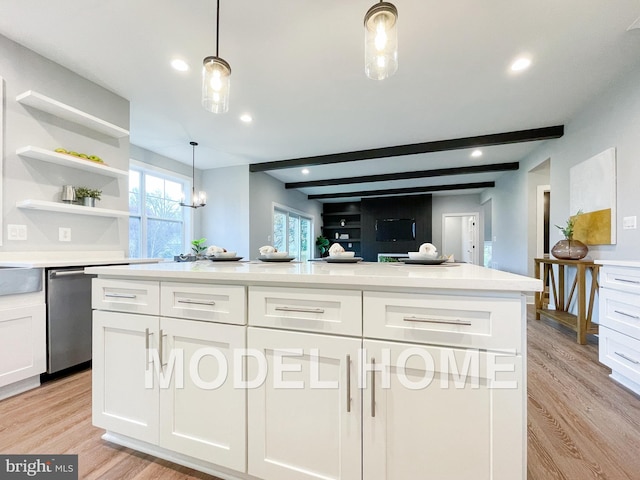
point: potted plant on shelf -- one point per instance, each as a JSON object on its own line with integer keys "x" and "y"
{"x": 323, "y": 245}
{"x": 569, "y": 248}
{"x": 88, "y": 196}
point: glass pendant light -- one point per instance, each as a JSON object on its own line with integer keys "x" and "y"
{"x": 216, "y": 77}
{"x": 198, "y": 199}
{"x": 381, "y": 41}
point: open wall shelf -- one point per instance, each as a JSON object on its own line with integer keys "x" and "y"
{"x": 61, "y": 110}
{"x": 67, "y": 208}
{"x": 70, "y": 161}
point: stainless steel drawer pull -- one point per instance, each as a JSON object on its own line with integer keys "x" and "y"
{"x": 628, "y": 359}
{"x": 348, "y": 383}
{"x": 443, "y": 322}
{"x": 373, "y": 387}
{"x": 161, "y": 349}
{"x": 636, "y": 317}
{"x": 300, "y": 309}
{"x": 147, "y": 334}
{"x": 626, "y": 281}
{"x": 120, "y": 295}
{"x": 196, "y": 302}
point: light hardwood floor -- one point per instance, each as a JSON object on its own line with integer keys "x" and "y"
{"x": 581, "y": 425}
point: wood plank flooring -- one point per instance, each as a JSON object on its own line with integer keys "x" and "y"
{"x": 581, "y": 424}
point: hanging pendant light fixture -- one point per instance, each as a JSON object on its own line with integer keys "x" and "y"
{"x": 381, "y": 41}
{"x": 199, "y": 199}
{"x": 216, "y": 74}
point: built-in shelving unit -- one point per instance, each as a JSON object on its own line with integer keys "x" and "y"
{"x": 68, "y": 208}
{"x": 61, "y": 110}
{"x": 70, "y": 161}
{"x": 333, "y": 214}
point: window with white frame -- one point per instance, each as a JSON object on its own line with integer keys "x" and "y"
{"x": 292, "y": 233}
{"x": 158, "y": 226}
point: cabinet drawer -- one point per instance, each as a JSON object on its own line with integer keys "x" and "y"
{"x": 313, "y": 310}
{"x": 197, "y": 301}
{"x": 620, "y": 278}
{"x": 466, "y": 321}
{"x": 135, "y": 296}
{"x": 620, "y": 352}
{"x": 620, "y": 311}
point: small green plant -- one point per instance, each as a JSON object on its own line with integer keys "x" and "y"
{"x": 84, "y": 192}
{"x": 567, "y": 230}
{"x": 323, "y": 244}
{"x": 198, "y": 246}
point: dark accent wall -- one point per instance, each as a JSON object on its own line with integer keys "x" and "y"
{"x": 413, "y": 206}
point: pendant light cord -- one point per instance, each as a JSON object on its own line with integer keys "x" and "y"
{"x": 193, "y": 172}
{"x": 218, "y": 27}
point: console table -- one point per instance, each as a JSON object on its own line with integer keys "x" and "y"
{"x": 580, "y": 322}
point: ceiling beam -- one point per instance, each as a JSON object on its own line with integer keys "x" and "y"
{"x": 439, "y": 172}
{"x": 519, "y": 136}
{"x": 403, "y": 191}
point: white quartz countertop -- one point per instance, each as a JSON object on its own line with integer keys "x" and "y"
{"x": 619, "y": 263}
{"x": 74, "y": 262}
{"x": 445, "y": 276}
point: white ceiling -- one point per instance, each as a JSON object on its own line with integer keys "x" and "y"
{"x": 297, "y": 67}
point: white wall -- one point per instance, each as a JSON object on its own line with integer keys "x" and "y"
{"x": 23, "y": 178}
{"x": 265, "y": 191}
{"x": 610, "y": 120}
{"x": 225, "y": 220}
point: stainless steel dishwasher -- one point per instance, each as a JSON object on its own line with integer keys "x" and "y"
{"x": 69, "y": 317}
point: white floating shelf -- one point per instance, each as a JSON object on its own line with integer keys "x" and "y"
{"x": 70, "y": 161}
{"x": 59, "y": 109}
{"x": 67, "y": 208}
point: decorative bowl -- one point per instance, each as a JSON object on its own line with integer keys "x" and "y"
{"x": 422, "y": 256}
{"x": 276, "y": 255}
{"x": 224, "y": 254}
{"x": 342, "y": 254}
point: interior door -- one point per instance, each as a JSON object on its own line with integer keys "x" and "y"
{"x": 460, "y": 236}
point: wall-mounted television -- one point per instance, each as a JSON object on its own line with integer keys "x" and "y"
{"x": 395, "y": 229}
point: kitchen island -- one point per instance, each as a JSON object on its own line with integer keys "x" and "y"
{"x": 250, "y": 370}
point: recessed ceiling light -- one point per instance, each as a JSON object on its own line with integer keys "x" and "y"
{"x": 179, "y": 65}
{"x": 305, "y": 171}
{"x": 476, "y": 153}
{"x": 246, "y": 118}
{"x": 520, "y": 64}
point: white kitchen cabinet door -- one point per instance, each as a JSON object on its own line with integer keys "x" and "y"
{"x": 201, "y": 414}
{"x": 122, "y": 402}
{"x": 22, "y": 343}
{"x": 461, "y": 432}
{"x": 302, "y": 426}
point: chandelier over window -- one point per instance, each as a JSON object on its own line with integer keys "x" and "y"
{"x": 198, "y": 199}
{"x": 381, "y": 41}
{"x": 216, "y": 77}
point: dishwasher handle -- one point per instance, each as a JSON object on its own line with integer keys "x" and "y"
{"x": 65, "y": 273}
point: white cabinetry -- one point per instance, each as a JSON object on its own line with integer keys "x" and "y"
{"x": 305, "y": 418}
{"x": 434, "y": 420}
{"x": 121, "y": 401}
{"x": 619, "y": 339}
{"x": 168, "y": 381}
{"x": 22, "y": 342}
{"x": 332, "y": 384}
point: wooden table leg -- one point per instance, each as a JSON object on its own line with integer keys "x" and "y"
{"x": 581, "y": 324}
{"x": 538, "y": 295}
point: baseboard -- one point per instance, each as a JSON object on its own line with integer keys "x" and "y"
{"x": 19, "y": 387}
{"x": 184, "y": 460}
